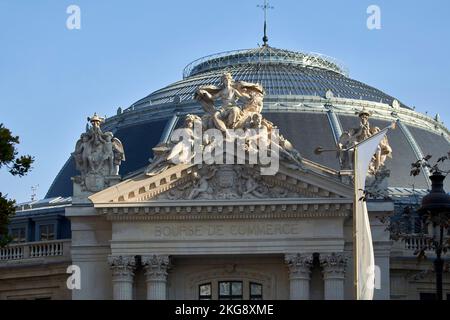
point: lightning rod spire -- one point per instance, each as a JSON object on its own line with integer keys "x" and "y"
{"x": 266, "y": 6}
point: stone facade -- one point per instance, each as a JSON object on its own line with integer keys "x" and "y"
{"x": 183, "y": 230}
{"x": 161, "y": 249}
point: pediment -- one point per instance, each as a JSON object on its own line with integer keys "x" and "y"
{"x": 230, "y": 183}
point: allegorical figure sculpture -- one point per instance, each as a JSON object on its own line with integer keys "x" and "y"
{"x": 239, "y": 108}
{"x": 97, "y": 154}
{"x": 354, "y": 136}
{"x": 230, "y": 94}
{"x": 167, "y": 154}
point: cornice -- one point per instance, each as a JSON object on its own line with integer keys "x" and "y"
{"x": 223, "y": 210}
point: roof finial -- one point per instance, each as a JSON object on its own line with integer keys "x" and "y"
{"x": 265, "y": 7}
{"x": 33, "y": 192}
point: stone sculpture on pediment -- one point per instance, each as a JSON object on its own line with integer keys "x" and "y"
{"x": 354, "y": 136}
{"x": 97, "y": 155}
{"x": 226, "y": 182}
{"x": 167, "y": 154}
{"x": 239, "y": 111}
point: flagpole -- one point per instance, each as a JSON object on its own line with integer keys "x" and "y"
{"x": 355, "y": 242}
{"x": 319, "y": 150}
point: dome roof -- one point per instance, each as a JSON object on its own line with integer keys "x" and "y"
{"x": 263, "y": 55}
{"x": 280, "y": 72}
{"x": 308, "y": 96}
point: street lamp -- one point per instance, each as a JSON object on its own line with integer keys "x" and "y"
{"x": 435, "y": 209}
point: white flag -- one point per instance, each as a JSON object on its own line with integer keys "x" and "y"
{"x": 364, "y": 255}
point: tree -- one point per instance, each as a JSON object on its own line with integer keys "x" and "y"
{"x": 400, "y": 226}
{"x": 17, "y": 166}
{"x": 431, "y": 221}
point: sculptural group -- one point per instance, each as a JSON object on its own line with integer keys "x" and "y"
{"x": 238, "y": 119}
{"x": 354, "y": 136}
{"x": 97, "y": 154}
{"x": 238, "y": 116}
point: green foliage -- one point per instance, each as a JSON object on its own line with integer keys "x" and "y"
{"x": 17, "y": 166}
{"x": 417, "y": 166}
{"x": 7, "y": 211}
{"x": 399, "y": 226}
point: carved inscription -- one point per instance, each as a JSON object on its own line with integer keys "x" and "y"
{"x": 219, "y": 230}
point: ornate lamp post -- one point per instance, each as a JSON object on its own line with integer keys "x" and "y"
{"x": 435, "y": 210}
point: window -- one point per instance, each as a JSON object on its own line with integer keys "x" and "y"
{"x": 204, "y": 291}
{"x": 18, "y": 235}
{"x": 256, "y": 290}
{"x": 230, "y": 290}
{"x": 427, "y": 296}
{"x": 47, "y": 232}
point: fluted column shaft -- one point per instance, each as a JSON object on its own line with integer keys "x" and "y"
{"x": 122, "y": 268}
{"x": 156, "y": 267}
{"x": 299, "y": 275}
{"x": 334, "y": 275}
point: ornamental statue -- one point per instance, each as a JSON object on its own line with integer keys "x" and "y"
{"x": 354, "y": 136}
{"x": 97, "y": 155}
{"x": 237, "y": 116}
{"x": 230, "y": 115}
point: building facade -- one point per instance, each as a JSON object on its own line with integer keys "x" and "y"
{"x": 185, "y": 231}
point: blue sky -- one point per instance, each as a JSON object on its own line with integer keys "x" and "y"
{"x": 52, "y": 78}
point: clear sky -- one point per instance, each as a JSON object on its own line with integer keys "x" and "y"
{"x": 52, "y": 78}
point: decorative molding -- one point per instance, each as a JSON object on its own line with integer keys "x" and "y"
{"x": 177, "y": 183}
{"x": 333, "y": 265}
{"x": 156, "y": 267}
{"x": 416, "y": 149}
{"x": 122, "y": 267}
{"x": 299, "y": 265}
{"x": 228, "y": 210}
{"x": 296, "y": 103}
{"x": 335, "y": 124}
{"x": 316, "y": 182}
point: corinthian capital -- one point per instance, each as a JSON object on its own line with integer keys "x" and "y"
{"x": 299, "y": 264}
{"x": 333, "y": 264}
{"x": 156, "y": 267}
{"x": 122, "y": 265}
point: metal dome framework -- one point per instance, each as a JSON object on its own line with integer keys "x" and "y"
{"x": 279, "y": 71}
{"x": 264, "y": 55}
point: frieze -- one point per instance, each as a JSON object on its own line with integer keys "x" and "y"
{"x": 235, "y": 211}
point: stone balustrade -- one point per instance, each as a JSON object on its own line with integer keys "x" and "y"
{"x": 33, "y": 250}
{"x": 413, "y": 243}
{"x": 416, "y": 243}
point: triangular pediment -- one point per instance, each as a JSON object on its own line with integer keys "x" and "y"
{"x": 233, "y": 183}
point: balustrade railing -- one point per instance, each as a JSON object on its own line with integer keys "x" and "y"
{"x": 418, "y": 243}
{"x": 31, "y": 250}
{"x": 11, "y": 253}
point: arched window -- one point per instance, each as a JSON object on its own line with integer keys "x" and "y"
{"x": 256, "y": 291}
{"x": 205, "y": 291}
{"x": 230, "y": 290}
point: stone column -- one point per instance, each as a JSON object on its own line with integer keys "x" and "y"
{"x": 299, "y": 275}
{"x": 156, "y": 276}
{"x": 334, "y": 275}
{"x": 122, "y": 276}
